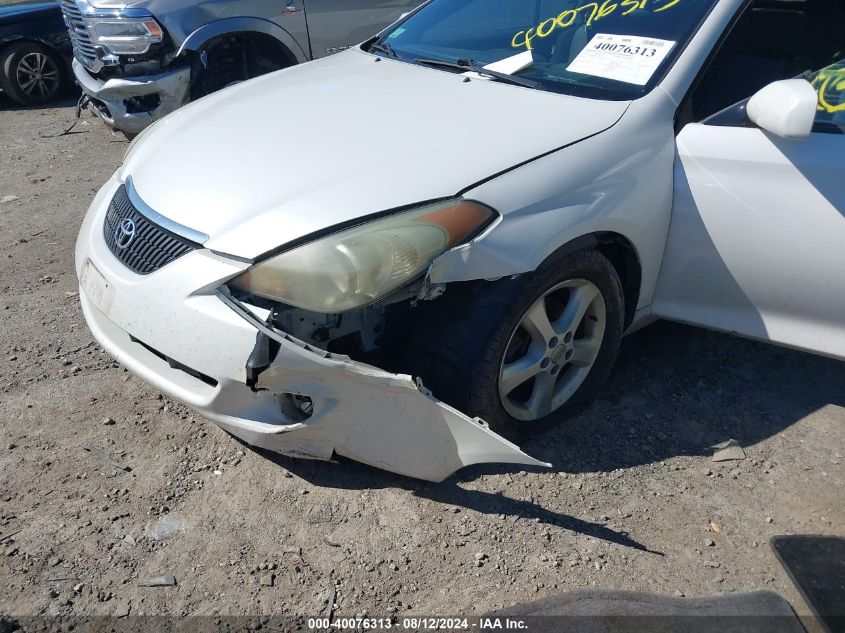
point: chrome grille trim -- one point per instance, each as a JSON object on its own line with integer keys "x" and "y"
{"x": 153, "y": 245}
{"x": 166, "y": 223}
{"x": 83, "y": 48}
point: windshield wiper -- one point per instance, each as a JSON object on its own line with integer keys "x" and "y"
{"x": 384, "y": 47}
{"x": 468, "y": 65}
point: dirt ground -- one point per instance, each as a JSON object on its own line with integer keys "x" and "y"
{"x": 633, "y": 502}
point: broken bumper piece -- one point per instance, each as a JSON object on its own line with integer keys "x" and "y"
{"x": 130, "y": 104}
{"x": 176, "y": 330}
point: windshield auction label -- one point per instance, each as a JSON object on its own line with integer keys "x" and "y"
{"x": 587, "y": 15}
{"x": 628, "y": 58}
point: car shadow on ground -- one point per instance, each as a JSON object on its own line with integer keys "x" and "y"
{"x": 679, "y": 390}
{"x": 349, "y": 475}
{"x": 66, "y": 100}
{"x": 675, "y": 391}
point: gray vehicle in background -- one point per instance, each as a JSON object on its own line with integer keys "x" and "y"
{"x": 137, "y": 61}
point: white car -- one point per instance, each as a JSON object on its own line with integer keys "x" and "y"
{"x": 397, "y": 252}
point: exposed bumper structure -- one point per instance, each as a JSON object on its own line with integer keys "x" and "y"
{"x": 174, "y": 330}
{"x": 132, "y": 103}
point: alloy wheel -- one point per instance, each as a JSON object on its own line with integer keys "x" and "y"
{"x": 37, "y": 76}
{"x": 552, "y": 350}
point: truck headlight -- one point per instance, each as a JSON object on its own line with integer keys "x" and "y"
{"x": 124, "y": 36}
{"x": 357, "y": 266}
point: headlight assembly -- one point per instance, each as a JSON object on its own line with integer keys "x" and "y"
{"x": 124, "y": 36}
{"x": 357, "y": 266}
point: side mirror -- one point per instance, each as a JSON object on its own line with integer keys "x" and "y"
{"x": 785, "y": 108}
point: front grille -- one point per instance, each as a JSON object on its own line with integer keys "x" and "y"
{"x": 83, "y": 47}
{"x": 151, "y": 246}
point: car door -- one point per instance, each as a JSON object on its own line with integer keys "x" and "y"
{"x": 334, "y": 25}
{"x": 756, "y": 244}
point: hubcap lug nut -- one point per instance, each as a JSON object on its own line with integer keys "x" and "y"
{"x": 553, "y": 343}
{"x": 544, "y": 363}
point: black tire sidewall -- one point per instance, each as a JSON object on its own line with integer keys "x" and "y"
{"x": 9, "y": 60}
{"x": 592, "y": 266}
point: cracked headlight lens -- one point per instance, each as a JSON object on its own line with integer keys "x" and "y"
{"x": 357, "y": 266}
{"x": 125, "y": 36}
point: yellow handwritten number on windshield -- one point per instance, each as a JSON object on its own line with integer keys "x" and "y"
{"x": 593, "y": 12}
{"x": 830, "y": 83}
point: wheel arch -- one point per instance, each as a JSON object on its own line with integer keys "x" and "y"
{"x": 621, "y": 253}
{"x": 516, "y": 254}
{"x": 247, "y": 27}
{"x": 267, "y": 42}
{"x": 7, "y": 42}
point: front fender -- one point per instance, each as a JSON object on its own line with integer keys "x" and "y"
{"x": 618, "y": 181}
{"x": 197, "y": 39}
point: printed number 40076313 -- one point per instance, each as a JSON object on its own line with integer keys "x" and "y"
{"x": 626, "y": 50}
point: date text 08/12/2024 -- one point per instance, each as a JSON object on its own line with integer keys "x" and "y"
{"x": 418, "y": 623}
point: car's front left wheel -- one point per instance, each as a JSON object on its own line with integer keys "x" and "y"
{"x": 31, "y": 74}
{"x": 521, "y": 353}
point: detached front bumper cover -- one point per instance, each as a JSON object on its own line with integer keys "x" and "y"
{"x": 111, "y": 97}
{"x": 367, "y": 414}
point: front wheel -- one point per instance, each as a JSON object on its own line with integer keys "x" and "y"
{"x": 31, "y": 74}
{"x": 522, "y": 353}
{"x": 552, "y": 349}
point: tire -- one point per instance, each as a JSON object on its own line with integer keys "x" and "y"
{"x": 31, "y": 74}
{"x": 462, "y": 347}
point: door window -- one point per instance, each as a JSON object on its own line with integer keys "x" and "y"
{"x": 772, "y": 40}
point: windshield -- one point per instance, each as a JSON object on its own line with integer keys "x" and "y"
{"x": 830, "y": 84}
{"x": 615, "y": 49}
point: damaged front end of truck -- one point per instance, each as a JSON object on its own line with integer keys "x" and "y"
{"x": 137, "y": 63}
{"x": 125, "y": 63}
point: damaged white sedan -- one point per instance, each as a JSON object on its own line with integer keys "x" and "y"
{"x": 395, "y": 253}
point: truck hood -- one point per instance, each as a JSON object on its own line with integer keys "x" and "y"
{"x": 274, "y": 159}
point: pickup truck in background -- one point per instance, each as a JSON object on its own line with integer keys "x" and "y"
{"x": 137, "y": 61}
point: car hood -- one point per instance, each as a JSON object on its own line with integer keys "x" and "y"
{"x": 10, "y": 12}
{"x": 271, "y": 160}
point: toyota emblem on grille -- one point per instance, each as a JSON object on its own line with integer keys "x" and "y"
{"x": 124, "y": 234}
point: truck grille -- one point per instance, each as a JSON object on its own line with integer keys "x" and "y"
{"x": 83, "y": 48}
{"x": 150, "y": 246}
